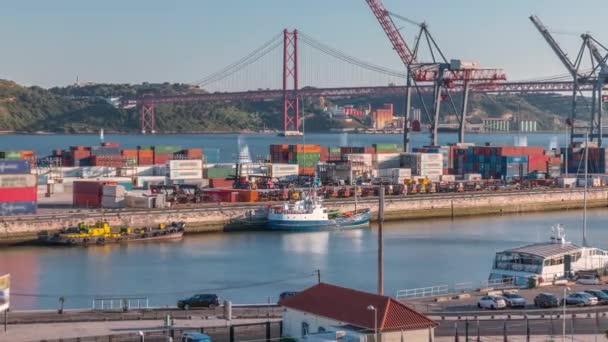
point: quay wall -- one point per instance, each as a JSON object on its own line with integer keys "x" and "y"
{"x": 220, "y": 217}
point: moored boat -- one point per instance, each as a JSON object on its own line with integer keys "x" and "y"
{"x": 101, "y": 233}
{"x": 309, "y": 214}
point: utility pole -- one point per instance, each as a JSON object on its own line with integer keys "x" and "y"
{"x": 318, "y": 272}
{"x": 380, "y": 242}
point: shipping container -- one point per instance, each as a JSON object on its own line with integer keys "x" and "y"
{"x": 18, "y": 181}
{"x": 165, "y": 149}
{"x": 14, "y": 167}
{"x": 23, "y": 194}
{"x": 18, "y": 208}
{"x": 185, "y": 165}
{"x": 220, "y": 183}
{"x": 185, "y": 174}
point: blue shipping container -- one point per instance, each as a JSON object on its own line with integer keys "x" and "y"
{"x": 16, "y": 208}
{"x": 515, "y": 159}
{"x": 127, "y": 185}
{"x": 104, "y": 151}
{"x": 14, "y": 166}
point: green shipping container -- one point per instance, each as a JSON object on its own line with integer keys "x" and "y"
{"x": 11, "y": 155}
{"x": 218, "y": 172}
{"x": 144, "y": 147}
{"x": 306, "y": 159}
{"x": 386, "y": 147}
{"x": 165, "y": 149}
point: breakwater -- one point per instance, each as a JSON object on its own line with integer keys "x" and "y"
{"x": 230, "y": 217}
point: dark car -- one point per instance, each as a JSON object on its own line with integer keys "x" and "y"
{"x": 546, "y": 300}
{"x": 199, "y": 301}
{"x": 602, "y": 297}
{"x": 286, "y": 294}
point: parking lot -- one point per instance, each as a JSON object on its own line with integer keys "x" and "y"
{"x": 447, "y": 304}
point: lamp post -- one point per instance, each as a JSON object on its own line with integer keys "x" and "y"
{"x": 141, "y": 336}
{"x": 375, "y": 310}
{"x": 566, "y": 290}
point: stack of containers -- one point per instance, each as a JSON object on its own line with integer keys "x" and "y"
{"x": 396, "y": 175}
{"x": 113, "y": 196}
{"x": 429, "y": 165}
{"x": 305, "y": 156}
{"x": 129, "y": 156}
{"x": 500, "y": 162}
{"x": 79, "y": 156}
{"x": 446, "y": 151}
{"x": 185, "y": 169}
{"x": 108, "y": 154}
{"x": 164, "y": 153}
{"x": 279, "y": 153}
{"x": 88, "y": 193}
{"x": 597, "y": 159}
{"x": 554, "y": 168}
{"x": 334, "y": 154}
{"x": 145, "y": 155}
{"x": 18, "y": 188}
{"x": 189, "y": 153}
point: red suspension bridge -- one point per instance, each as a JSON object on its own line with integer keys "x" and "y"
{"x": 293, "y": 65}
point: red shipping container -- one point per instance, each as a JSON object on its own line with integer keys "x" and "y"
{"x": 110, "y": 144}
{"x": 145, "y": 161}
{"x": 220, "y": 183}
{"x": 324, "y": 154}
{"x": 161, "y": 159}
{"x": 29, "y": 194}
{"x": 129, "y": 153}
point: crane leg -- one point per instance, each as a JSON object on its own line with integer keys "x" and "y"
{"x": 463, "y": 115}
{"x": 407, "y": 118}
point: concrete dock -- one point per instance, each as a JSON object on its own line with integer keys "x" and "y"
{"x": 218, "y": 216}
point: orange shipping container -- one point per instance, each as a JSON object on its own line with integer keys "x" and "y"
{"x": 247, "y": 195}
{"x": 307, "y": 171}
{"x": 129, "y": 153}
{"x": 308, "y": 148}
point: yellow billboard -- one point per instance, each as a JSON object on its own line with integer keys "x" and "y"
{"x": 5, "y": 285}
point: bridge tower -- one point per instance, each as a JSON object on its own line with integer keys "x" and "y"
{"x": 291, "y": 101}
{"x": 148, "y": 122}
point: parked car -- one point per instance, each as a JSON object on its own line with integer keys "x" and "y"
{"x": 286, "y": 294}
{"x": 195, "y": 336}
{"x": 491, "y": 302}
{"x": 580, "y": 298}
{"x": 588, "y": 280}
{"x": 546, "y": 300}
{"x": 199, "y": 301}
{"x": 602, "y": 297}
{"x": 514, "y": 300}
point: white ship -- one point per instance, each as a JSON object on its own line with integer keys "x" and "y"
{"x": 547, "y": 261}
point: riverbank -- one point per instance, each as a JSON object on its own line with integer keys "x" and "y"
{"x": 234, "y": 217}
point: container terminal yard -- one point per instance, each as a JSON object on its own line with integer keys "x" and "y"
{"x": 158, "y": 184}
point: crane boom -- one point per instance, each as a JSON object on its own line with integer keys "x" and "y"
{"x": 554, "y": 46}
{"x": 392, "y": 32}
{"x": 595, "y": 52}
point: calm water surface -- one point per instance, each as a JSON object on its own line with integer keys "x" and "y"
{"x": 252, "y": 267}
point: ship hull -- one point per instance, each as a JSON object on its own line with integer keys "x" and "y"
{"x": 59, "y": 241}
{"x": 360, "y": 220}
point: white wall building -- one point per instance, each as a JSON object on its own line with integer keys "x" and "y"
{"x": 327, "y": 312}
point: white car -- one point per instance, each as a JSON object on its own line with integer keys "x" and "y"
{"x": 588, "y": 280}
{"x": 491, "y": 302}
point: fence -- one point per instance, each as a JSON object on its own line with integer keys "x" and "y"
{"x": 126, "y": 303}
{"x": 441, "y": 290}
{"x": 256, "y": 332}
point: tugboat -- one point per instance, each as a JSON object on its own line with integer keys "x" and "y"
{"x": 309, "y": 214}
{"x": 101, "y": 233}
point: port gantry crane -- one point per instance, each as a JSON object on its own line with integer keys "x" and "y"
{"x": 442, "y": 73}
{"x": 598, "y": 76}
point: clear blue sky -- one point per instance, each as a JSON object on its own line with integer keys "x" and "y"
{"x": 48, "y": 43}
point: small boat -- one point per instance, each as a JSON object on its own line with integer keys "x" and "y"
{"x": 101, "y": 233}
{"x": 309, "y": 214}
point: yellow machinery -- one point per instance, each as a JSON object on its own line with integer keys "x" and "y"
{"x": 99, "y": 229}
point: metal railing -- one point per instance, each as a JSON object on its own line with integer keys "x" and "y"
{"x": 430, "y": 291}
{"x": 497, "y": 283}
{"x": 116, "y": 303}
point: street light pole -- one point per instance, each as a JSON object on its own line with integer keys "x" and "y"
{"x": 375, "y": 310}
{"x": 566, "y": 289}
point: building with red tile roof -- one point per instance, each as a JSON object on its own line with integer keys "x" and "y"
{"x": 325, "y": 307}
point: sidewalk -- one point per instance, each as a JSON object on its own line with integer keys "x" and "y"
{"x": 37, "y": 332}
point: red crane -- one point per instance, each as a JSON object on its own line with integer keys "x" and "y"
{"x": 443, "y": 73}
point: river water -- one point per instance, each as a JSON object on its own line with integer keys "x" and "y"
{"x": 252, "y": 267}
{"x": 225, "y": 147}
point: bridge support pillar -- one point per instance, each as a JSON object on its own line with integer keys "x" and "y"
{"x": 291, "y": 101}
{"x": 148, "y": 121}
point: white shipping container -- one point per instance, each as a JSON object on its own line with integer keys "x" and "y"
{"x": 136, "y": 171}
{"x": 365, "y": 158}
{"x": 283, "y": 170}
{"x": 566, "y": 182}
{"x": 472, "y": 176}
{"x": 431, "y": 172}
{"x": 430, "y": 165}
{"x": 431, "y": 157}
{"x": 184, "y": 165}
{"x": 593, "y": 182}
{"x": 185, "y": 174}
{"x": 448, "y": 178}
{"x": 395, "y": 172}
{"x": 141, "y": 181}
{"x": 98, "y": 171}
{"x": 18, "y": 181}
{"x": 139, "y": 201}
